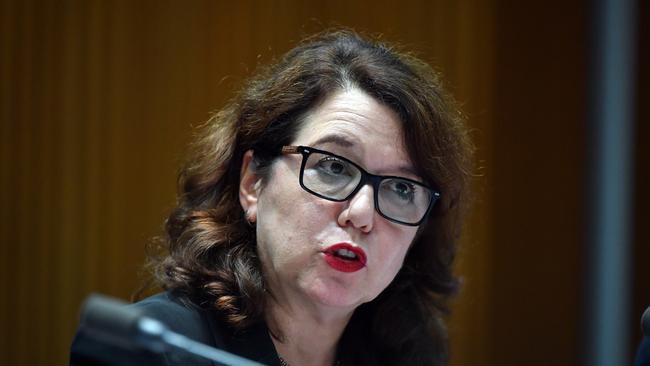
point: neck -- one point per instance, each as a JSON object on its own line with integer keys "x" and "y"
{"x": 303, "y": 337}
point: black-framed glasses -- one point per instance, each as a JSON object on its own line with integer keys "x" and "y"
{"x": 335, "y": 178}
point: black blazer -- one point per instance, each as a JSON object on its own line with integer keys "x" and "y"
{"x": 196, "y": 323}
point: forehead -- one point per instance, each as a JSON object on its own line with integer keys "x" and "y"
{"x": 352, "y": 122}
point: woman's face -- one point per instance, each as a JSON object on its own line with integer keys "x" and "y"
{"x": 298, "y": 233}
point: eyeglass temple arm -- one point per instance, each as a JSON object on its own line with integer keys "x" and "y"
{"x": 290, "y": 150}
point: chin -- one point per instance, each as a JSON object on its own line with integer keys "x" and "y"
{"x": 332, "y": 294}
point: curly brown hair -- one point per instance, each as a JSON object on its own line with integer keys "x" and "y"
{"x": 210, "y": 249}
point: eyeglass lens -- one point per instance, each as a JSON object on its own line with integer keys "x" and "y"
{"x": 334, "y": 178}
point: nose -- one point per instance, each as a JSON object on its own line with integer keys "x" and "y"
{"x": 360, "y": 210}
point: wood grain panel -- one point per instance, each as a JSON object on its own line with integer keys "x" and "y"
{"x": 97, "y": 102}
{"x": 539, "y": 147}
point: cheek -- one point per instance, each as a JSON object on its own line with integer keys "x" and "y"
{"x": 288, "y": 220}
{"x": 395, "y": 260}
{"x": 394, "y": 252}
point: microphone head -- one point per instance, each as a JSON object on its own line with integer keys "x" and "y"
{"x": 110, "y": 320}
{"x": 645, "y": 322}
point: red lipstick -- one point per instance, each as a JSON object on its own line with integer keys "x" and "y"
{"x": 345, "y": 257}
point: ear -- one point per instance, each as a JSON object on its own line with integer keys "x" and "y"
{"x": 249, "y": 186}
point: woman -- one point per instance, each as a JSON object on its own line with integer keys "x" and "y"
{"x": 318, "y": 215}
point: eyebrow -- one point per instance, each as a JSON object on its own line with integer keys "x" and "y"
{"x": 344, "y": 141}
{"x": 409, "y": 171}
{"x": 336, "y": 139}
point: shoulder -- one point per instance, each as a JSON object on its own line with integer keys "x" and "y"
{"x": 178, "y": 315}
{"x": 182, "y": 316}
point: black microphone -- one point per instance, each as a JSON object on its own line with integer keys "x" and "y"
{"x": 109, "y": 320}
{"x": 645, "y": 322}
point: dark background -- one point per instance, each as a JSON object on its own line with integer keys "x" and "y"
{"x": 98, "y": 100}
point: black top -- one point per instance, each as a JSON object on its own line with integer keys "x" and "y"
{"x": 198, "y": 324}
{"x": 643, "y": 354}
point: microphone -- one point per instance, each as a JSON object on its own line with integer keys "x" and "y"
{"x": 111, "y": 321}
{"x": 645, "y": 322}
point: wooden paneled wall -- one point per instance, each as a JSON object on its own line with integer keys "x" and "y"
{"x": 97, "y": 103}
{"x": 98, "y": 99}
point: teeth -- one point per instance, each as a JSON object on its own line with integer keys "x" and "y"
{"x": 345, "y": 253}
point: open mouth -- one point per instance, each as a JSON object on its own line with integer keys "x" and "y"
{"x": 345, "y": 257}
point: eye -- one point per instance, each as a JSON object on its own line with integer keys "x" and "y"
{"x": 333, "y": 166}
{"x": 402, "y": 190}
{"x": 405, "y": 190}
